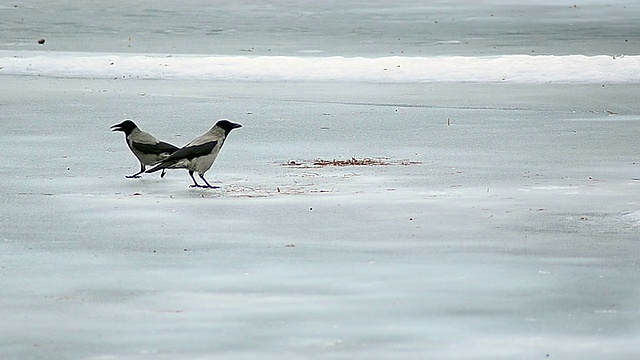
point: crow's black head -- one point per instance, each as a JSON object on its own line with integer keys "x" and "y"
{"x": 126, "y": 127}
{"x": 227, "y": 125}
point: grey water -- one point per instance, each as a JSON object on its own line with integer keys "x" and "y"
{"x": 324, "y": 28}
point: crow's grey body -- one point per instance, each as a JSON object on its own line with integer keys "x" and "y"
{"x": 199, "y": 154}
{"x": 146, "y": 148}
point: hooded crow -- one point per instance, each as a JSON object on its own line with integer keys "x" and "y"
{"x": 144, "y": 146}
{"x": 198, "y": 155}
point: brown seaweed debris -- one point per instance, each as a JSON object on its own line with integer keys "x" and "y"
{"x": 349, "y": 162}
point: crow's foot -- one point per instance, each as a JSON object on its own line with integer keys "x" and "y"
{"x": 204, "y": 186}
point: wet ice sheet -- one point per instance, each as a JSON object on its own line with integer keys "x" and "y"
{"x": 515, "y": 236}
{"x": 327, "y": 28}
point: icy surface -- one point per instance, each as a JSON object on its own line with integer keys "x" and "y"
{"x": 515, "y": 237}
{"x": 370, "y": 28}
{"x": 504, "y": 224}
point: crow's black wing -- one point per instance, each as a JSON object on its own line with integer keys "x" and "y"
{"x": 159, "y": 148}
{"x": 192, "y": 151}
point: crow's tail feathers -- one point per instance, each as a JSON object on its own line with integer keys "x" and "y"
{"x": 158, "y": 167}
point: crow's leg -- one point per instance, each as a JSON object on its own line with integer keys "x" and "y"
{"x": 206, "y": 182}
{"x": 137, "y": 175}
{"x": 163, "y": 172}
{"x": 195, "y": 183}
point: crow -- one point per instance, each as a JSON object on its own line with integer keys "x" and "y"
{"x": 198, "y": 155}
{"x": 149, "y": 150}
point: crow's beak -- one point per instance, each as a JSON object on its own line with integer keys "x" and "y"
{"x": 117, "y": 127}
{"x": 235, "y": 126}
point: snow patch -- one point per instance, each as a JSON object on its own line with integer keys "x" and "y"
{"x": 391, "y": 69}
